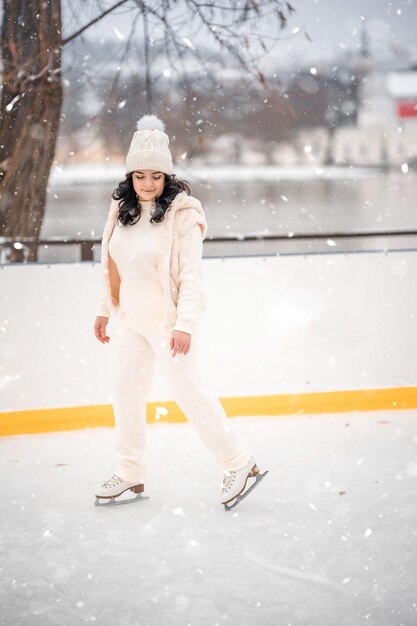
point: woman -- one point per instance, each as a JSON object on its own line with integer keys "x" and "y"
{"x": 152, "y": 270}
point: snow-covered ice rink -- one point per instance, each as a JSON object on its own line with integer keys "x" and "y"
{"x": 328, "y": 538}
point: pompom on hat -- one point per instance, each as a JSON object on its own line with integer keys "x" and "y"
{"x": 149, "y": 147}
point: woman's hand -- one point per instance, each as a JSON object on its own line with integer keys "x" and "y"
{"x": 180, "y": 342}
{"x": 100, "y": 329}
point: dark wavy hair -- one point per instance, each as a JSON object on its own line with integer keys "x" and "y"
{"x": 129, "y": 205}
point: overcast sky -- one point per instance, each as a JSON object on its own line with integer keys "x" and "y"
{"x": 333, "y": 25}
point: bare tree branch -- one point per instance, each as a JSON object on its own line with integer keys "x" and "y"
{"x": 93, "y": 21}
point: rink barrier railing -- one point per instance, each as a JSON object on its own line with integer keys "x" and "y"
{"x": 80, "y": 417}
{"x": 25, "y": 249}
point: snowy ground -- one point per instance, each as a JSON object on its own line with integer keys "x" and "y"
{"x": 328, "y": 538}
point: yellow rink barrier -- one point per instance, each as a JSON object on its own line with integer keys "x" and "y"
{"x": 76, "y": 417}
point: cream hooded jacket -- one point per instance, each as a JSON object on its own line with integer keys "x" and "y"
{"x": 179, "y": 264}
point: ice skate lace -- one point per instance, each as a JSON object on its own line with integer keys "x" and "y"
{"x": 114, "y": 480}
{"x": 228, "y": 480}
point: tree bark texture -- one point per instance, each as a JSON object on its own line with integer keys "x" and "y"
{"x": 31, "y": 44}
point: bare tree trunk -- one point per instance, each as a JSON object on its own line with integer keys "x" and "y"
{"x": 31, "y": 45}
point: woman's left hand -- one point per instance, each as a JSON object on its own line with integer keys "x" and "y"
{"x": 180, "y": 342}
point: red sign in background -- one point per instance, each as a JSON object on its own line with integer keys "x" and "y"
{"x": 407, "y": 109}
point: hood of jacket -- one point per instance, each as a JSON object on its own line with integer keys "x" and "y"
{"x": 191, "y": 212}
{"x": 184, "y": 212}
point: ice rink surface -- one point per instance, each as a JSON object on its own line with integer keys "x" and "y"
{"x": 329, "y": 537}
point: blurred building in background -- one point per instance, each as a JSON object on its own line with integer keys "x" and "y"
{"x": 352, "y": 110}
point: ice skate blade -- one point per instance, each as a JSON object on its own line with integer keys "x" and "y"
{"x": 242, "y": 496}
{"x": 114, "y": 502}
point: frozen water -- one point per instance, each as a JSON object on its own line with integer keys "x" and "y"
{"x": 323, "y": 541}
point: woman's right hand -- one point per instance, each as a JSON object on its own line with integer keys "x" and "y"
{"x": 100, "y": 326}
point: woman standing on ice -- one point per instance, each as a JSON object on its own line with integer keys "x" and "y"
{"x": 151, "y": 260}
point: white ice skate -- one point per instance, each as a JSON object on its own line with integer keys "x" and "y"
{"x": 108, "y": 492}
{"x": 235, "y": 483}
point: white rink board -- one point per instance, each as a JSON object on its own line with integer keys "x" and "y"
{"x": 274, "y": 325}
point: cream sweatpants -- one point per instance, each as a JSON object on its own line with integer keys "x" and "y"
{"x": 133, "y": 365}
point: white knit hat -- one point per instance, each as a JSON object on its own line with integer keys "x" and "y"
{"x": 149, "y": 147}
